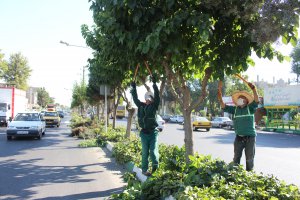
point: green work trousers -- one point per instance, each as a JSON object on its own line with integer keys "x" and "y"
{"x": 247, "y": 143}
{"x": 149, "y": 147}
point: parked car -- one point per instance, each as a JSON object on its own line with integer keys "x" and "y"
{"x": 166, "y": 117}
{"x": 220, "y": 121}
{"x": 26, "y": 124}
{"x": 177, "y": 119}
{"x": 229, "y": 124}
{"x": 200, "y": 123}
{"x": 161, "y": 123}
{"x": 42, "y": 113}
{"x": 61, "y": 114}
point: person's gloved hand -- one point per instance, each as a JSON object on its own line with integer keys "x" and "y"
{"x": 133, "y": 84}
{"x": 251, "y": 86}
{"x": 154, "y": 78}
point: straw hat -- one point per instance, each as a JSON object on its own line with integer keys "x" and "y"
{"x": 246, "y": 94}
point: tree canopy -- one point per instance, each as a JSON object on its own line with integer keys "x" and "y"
{"x": 184, "y": 40}
{"x": 16, "y": 71}
{"x": 296, "y": 61}
{"x": 43, "y": 97}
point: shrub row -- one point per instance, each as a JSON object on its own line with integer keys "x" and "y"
{"x": 202, "y": 178}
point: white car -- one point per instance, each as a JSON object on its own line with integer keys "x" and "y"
{"x": 161, "y": 123}
{"x": 177, "y": 119}
{"x": 220, "y": 121}
{"x": 26, "y": 124}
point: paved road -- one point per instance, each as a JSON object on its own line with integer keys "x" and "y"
{"x": 277, "y": 154}
{"x": 55, "y": 168}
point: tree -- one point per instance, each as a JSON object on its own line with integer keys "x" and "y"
{"x": 43, "y": 97}
{"x": 296, "y": 61}
{"x": 183, "y": 40}
{"x": 3, "y": 65}
{"x": 17, "y": 72}
{"x": 79, "y": 96}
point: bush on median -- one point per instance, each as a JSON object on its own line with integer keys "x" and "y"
{"x": 202, "y": 178}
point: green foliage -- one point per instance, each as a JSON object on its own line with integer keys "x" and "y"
{"x": 194, "y": 193}
{"x": 43, "y": 97}
{"x": 128, "y": 150}
{"x": 203, "y": 170}
{"x": 113, "y": 135}
{"x": 78, "y": 95}
{"x": 162, "y": 184}
{"x": 183, "y": 40}
{"x": 172, "y": 157}
{"x": 296, "y": 61}
{"x": 202, "y": 178}
{"x": 3, "y": 65}
{"x": 78, "y": 121}
{"x": 16, "y": 71}
{"x": 133, "y": 188}
{"x": 89, "y": 143}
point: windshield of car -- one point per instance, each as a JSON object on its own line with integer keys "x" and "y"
{"x": 225, "y": 119}
{"x": 51, "y": 114}
{"x": 203, "y": 119}
{"x": 27, "y": 117}
{"x": 121, "y": 108}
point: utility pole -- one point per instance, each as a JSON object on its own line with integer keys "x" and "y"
{"x": 83, "y": 70}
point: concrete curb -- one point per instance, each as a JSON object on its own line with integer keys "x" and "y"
{"x": 130, "y": 165}
{"x": 109, "y": 146}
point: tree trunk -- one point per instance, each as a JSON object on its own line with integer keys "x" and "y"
{"x": 98, "y": 111}
{"x": 129, "y": 121}
{"x": 188, "y": 131}
{"x": 115, "y": 108}
{"x": 188, "y": 135}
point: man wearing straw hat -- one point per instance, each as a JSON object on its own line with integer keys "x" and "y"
{"x": 147, "y": 121}
{"x": 244, "y": 124}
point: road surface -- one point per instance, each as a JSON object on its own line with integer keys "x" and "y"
{"x": 56, "y": 168}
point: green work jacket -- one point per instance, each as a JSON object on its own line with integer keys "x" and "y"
{"x": 147, "y": 113}
{"x": 243, "y": 118}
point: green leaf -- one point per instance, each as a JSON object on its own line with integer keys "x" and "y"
{"x": 284, "y": 40}
{"x": 293, "y": 41}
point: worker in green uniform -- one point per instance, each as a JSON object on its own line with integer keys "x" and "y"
{"x": 244, "y": 124}
{"x": 147, "y": 121}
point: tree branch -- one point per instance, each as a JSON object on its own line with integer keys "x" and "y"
{"x": 170, "y": 79}
{"x": 208, "y": 72}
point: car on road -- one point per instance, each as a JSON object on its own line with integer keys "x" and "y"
{"x": 220, "y": 121}
{"x": 229, "y": 124}
{"x": 161, "y": 123}
{"x": 166, "y": 117}
{"x": 177, "y": 119}
{"x": 26, "y": 124}
{"x": 52, "y": 118}
{"x": 61, "y": 114}
{"x": 200, "y": 123}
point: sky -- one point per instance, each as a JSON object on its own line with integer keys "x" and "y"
{"x": 35, "y": 28}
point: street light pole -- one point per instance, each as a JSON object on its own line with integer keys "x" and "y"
{"x": 66, "y": 43}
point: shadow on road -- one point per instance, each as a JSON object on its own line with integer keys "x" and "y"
{"x": 88, "y": 195}
{"x": 28, "y": 174}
